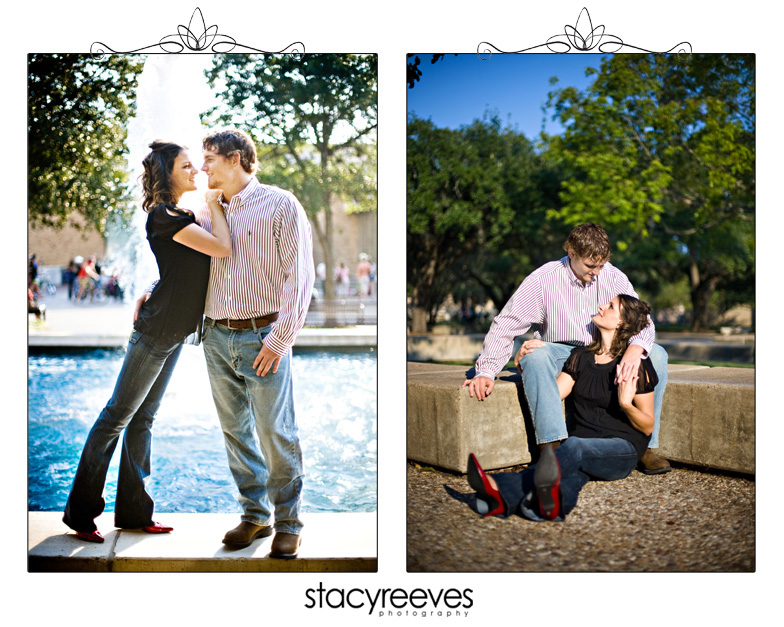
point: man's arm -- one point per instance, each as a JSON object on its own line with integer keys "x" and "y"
{"x": 523, "y": 309}
{"x": 295, "y": 253}
{"x": 639, "y": 345}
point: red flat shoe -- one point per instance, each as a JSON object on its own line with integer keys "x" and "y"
{"x": 547, "y": 481}
{"x": 157, "y": 528}
{"x": 488, "y": 499}
{"x": 90, "y": 536}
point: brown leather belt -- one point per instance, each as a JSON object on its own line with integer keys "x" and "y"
{"x": 248, "y": 324}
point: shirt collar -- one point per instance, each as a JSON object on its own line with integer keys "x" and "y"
{"x": 246, "y": 191}
{"x": 571, "y": 278}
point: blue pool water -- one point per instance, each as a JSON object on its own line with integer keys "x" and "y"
{"x": 335, "y": 399}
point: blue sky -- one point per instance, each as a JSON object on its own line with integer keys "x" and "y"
{"x": 459, "y": 89}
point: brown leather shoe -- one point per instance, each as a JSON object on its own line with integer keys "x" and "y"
{"x": 285, "y": 545}
{"x": 652, "y": 464}
{"x": 246, "y": 532}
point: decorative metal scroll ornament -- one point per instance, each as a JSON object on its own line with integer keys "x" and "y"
{"x": 584, "y": 38}
{"x": 196, "y": 37}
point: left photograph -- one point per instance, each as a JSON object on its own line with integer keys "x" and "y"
{"x": 202, "y": 311}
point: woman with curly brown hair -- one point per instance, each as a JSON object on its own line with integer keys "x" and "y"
{"x": 612, "y": 424}
{"x": 172, "y": 312}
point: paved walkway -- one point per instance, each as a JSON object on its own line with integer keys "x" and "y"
{"x": 330, "y": 543}
{"x": 109, "y": 324}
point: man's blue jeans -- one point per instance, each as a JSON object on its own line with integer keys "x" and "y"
{"x": 580, "y": 460}
{"x": 540, "y": 369}
{"x": 268, "y": 473}
{"x": 141, "y": 384}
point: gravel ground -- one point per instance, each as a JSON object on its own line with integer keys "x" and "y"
{"x": 682, "y": 521}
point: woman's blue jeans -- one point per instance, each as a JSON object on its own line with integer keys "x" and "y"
{"x": 540, "y": 370}
{"x": 268, "y": 471}
{"x": 580, "y": 460}
{"x": 141, "y": 384}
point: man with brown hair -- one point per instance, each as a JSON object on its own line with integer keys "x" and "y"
{"x": 558, "y": 301}
{"x": 257, "y": 300}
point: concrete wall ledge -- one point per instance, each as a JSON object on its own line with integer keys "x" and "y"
{"x": 331, "y": 542}
{"x": 688, "y": 347}
{"x": 707, "y": 419}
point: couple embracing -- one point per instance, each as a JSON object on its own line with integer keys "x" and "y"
{"x": 238, "y": 277}
{"x": 593, "y": 345}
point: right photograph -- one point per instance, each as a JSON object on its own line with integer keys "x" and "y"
{"x": 580, "y": 312}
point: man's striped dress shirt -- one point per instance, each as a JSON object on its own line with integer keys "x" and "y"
{"x": 271, "y": 264}
{"x": 556, "y": 304}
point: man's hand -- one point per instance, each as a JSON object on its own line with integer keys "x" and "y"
{"x": 483, "y": 386}
{"x": 265, "y": 360}
{"x": 630, "y": 364}
{"x": 139, "y": 302}
{"x": 529, "y": 346}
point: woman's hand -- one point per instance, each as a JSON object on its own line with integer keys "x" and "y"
{"x": 211, "y": 196}
{"x": 627, "y": 388}
{"x": 138, "y": 307}
{"x": 637, "y": 407}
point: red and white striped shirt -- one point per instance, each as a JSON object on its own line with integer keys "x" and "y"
{"x": 271, "y": 264}
{"x": 559, "y": 307}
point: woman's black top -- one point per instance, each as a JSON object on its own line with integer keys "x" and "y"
{"x": 174, "y": 309}
{"x": 595, "y": 395}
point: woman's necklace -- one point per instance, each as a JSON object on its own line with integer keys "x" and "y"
{"x": 603, "y": 356}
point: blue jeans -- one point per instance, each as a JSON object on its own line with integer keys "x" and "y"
{"x": 580, "y": 460}
{"x": 141, "y": 384}
{"x": 540, "y": 369}
{"x": 268, "y": 473}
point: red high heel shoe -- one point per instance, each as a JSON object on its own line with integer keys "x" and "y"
{"x": 487, "y": 497}
{"x": 90, "y": 536}
{"x": 547, "y": 481}
{"x": 157, "y": 528}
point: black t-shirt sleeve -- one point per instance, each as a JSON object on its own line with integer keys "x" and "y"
{"x": 572, "y": 364}
{"x": 163, "y": 225}
{"x": 648, "y": 377}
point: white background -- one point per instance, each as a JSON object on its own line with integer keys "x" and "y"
{"x": 391, "y": 30}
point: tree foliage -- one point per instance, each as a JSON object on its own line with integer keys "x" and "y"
{"x": 477, "y": 199}
{"x": 660, "y": 150}
{"x": 314, "y": 119}
{"x": 78, "y": 110}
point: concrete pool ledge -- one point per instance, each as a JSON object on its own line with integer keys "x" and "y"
{"x": 331, "y": 542}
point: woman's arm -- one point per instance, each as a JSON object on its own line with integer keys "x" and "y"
{"x": 637, "y": 407}
{"x": 215, "y": 244}
{"x": 565, "y": 384}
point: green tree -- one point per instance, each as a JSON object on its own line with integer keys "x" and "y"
{"x": 456, "y": 206}
{"x": 478, "y": 200}
{"x": 531, "y": 183}
{"x": 660, "y": 150}
{"x": 314, "y": 119}
{"x": 78, "y": 110}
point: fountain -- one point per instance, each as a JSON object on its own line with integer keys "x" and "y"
{"x": 171, "y": 95}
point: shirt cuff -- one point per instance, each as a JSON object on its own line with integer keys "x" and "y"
{"x": 275, "y": 345}
{"x": 645, "y": 349}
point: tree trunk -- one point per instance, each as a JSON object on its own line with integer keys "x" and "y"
{"x": 419, "y": 322}
{"x": 702, "y": 289}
